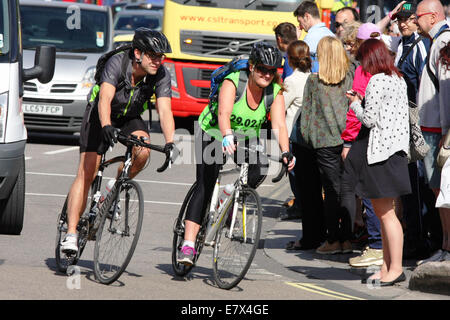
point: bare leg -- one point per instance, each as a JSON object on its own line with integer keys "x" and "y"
{"x": 392, "y": 234}
{"x": 191, "y": 230}
{"x": 87, "y": 170}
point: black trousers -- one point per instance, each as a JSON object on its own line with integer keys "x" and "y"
{"x": 309, "y": 186}
{"x": 207, "y": 170}
{"x": 337, "y": 221}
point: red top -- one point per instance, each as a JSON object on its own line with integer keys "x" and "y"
{"x": 353, "y": 125}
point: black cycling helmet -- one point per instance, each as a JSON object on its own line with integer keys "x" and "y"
{"x": 266, "y": 54}
{"x": 146, "y": 40}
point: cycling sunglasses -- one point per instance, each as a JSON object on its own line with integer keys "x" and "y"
{"x": 263, "y": 70}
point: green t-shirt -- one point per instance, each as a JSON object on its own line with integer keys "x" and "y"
{"x": 244, "y": 121}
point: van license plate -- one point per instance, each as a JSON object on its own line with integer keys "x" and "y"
{"x": 42, "y": 109}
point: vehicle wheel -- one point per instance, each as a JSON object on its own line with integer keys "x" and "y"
{"x": 233, "y": 255}
{"x": 12, "y": 208}
{"x": 178, "y": 235}
{"x": 63, "y": 261}
{"x": 119, "y": 231}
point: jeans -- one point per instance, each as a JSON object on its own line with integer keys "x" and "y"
{"x": 432, "y": 171}
{"x": 373, "y": 226}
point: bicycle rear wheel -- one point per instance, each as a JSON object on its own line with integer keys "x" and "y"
{"x": 178, "y": 236}
{"x": 233, "y": 255}
{"x": 119, "y": 231}
{"x": 63, "y": 260}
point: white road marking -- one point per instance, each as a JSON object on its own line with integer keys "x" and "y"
{"x": 28, "y": 158}
{"x": 64, "y": 195}
{"x": 61, "y": 150}
{"x": 137, "y": 180}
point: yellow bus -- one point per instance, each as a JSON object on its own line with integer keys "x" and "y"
{"x": 205, "y": 34}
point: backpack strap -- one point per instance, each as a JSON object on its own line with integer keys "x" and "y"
{"x": 432, "y": 76}
{"x": 242, "y": 85}
{"x": 123, "y": 71}
{"x": 406, "y": 54}
{"x": 268, "y": 98}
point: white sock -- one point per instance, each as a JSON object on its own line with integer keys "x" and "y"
{"x": 188, "y": 243}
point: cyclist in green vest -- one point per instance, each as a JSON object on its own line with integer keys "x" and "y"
{"x": 241, "y": 120}
{"x": 127, "y": 83}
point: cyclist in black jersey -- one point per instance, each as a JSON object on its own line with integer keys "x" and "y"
{"x": 128, "y": 81}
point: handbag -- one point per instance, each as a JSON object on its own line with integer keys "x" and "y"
{"x": 418, "y": 148}
{"x": 443, "y": 200}
{"x": 444, "y": 152}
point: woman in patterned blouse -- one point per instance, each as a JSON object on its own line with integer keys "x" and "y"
{"x": 378, "y": 157}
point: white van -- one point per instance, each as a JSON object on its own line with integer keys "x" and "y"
{"x": 81, "y": 33}
{"x": 13, "y": 135}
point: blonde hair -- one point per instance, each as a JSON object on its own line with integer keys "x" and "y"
{"x": 350, "y": 31}
{"x": 333, "y": 60}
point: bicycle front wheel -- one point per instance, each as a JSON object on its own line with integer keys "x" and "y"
{"x": 118, "y": 232}
{"x": 233, "y": 254}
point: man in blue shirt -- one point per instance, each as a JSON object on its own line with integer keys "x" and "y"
{"x": 308, "y": 17}
{"x": 285, "y": 33}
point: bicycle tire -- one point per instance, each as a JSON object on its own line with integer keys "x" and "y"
{"x": 63, "y": 261}
{"x": 113, "y": 230}
{"x": 232, "y": 257}
{"x": 178, "y": 235}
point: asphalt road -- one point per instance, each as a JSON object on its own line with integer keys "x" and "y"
{"x": 27, "y": 262}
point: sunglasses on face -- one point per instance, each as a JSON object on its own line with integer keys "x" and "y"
{"x": 263, "y": 70}
{"x": 338, "y": 24}
{"x": 155, "y": 56}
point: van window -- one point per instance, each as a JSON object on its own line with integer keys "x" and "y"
{"x": 131, "y": 23}
{"x": 4, "y": 31}
{"x": 66, "y": 30}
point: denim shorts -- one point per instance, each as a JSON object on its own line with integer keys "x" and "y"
{"x": 433, "y": 173}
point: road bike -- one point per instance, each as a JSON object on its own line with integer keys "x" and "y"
{"x": 113, "y": 222}
{"x": 233, "y": 229}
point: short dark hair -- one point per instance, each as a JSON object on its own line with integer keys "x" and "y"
{"x": 307, "y": 7}
{"x": 353, "y": 10}
{"x": 286, "y": 31}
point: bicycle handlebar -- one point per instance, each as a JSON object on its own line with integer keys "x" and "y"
{"x": 284, "y": 167}
{"x": 170, "y": 154}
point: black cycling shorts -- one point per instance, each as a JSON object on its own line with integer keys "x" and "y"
{"x": 91, "y": 129}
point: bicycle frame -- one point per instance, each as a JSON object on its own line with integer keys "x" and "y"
{"x": 217, "y": 217}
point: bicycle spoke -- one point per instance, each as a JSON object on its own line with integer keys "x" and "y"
{"x": 118, "y": 233}
{"x": 233, "y": 255}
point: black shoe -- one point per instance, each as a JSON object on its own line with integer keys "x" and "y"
{"x": 291, "y": 213}
{"x": 400, "y": 278}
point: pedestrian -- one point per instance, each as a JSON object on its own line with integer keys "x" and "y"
{"x": 410, "y": 60}
{"x": 373, "y": 253}
{"x": 323, "y": 118}
{"x": 285, "y": 33}
{"x": 433, "y": 100}
{"x": 308, "y": 17}
{"x": 378, "y": 157}
{"x": 300, "y": 61}
{"x": 344, "y": 16}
